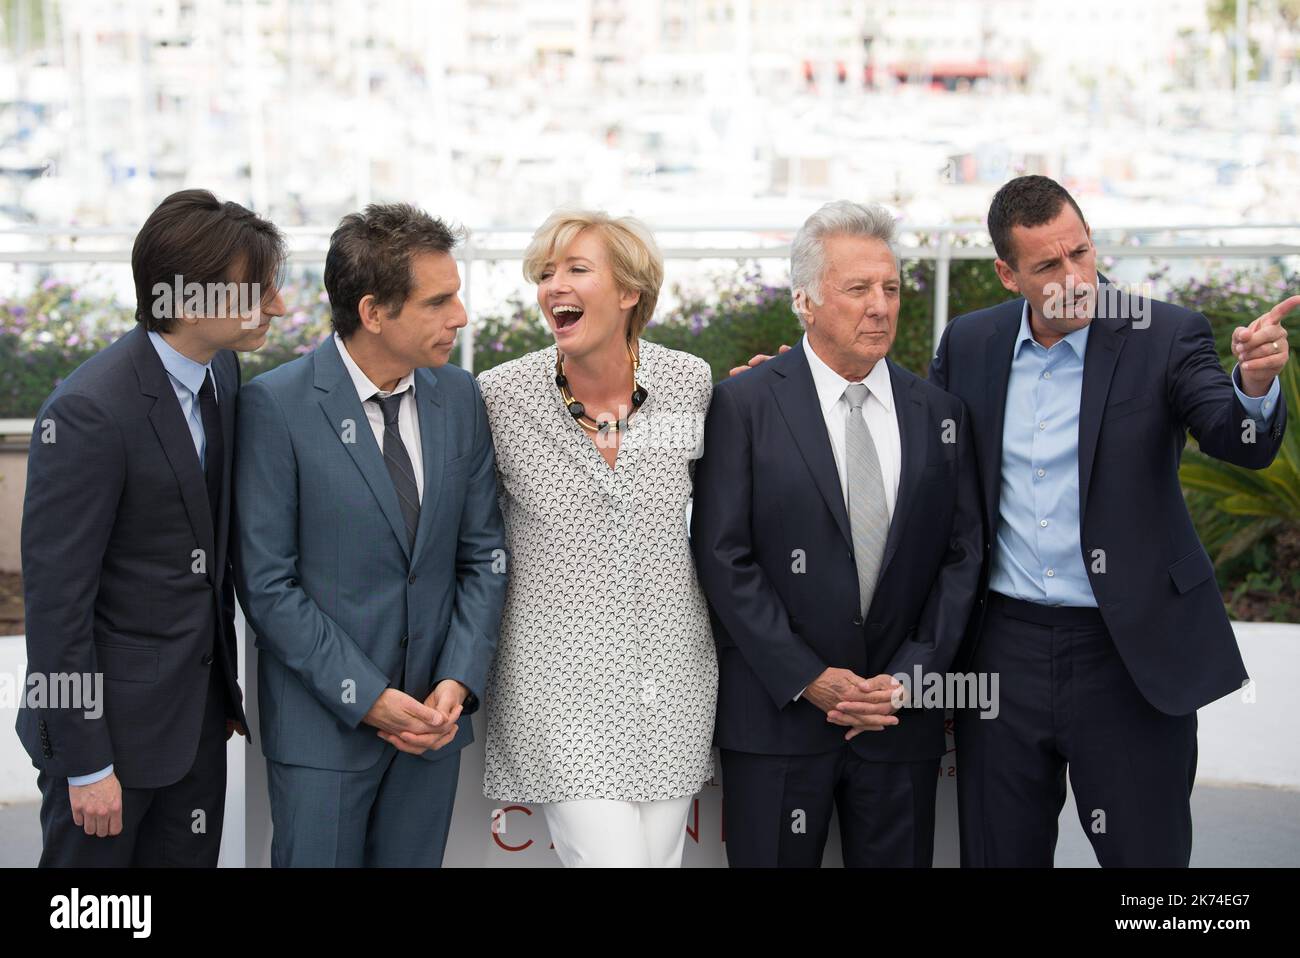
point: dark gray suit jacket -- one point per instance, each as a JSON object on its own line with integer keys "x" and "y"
{"x": 766, "y": 492}
{"x": 116, "y": 507}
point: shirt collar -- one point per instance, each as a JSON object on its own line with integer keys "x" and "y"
{"x": 179, "y": 366}
{"x": 1077, "y": 340}
{"x": 365, "y": 388}
{"x": 831, "y": 385}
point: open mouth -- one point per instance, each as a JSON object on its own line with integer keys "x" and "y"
{"x": 566, "y": 315}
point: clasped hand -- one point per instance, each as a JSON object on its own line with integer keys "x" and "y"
{"x": 414, "y": 727}
{"x": 862, "y": 705}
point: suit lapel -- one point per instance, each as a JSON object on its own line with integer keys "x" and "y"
{"x": 433, "y": 450}
{"x": 796, "y": 399}
{"x": 1105, "y": 341}
{"x": 910, "y": 408}
{"x": 177, "y": 443}
{"x": 342, "y": 406}
{"x": 999, "y": 346}
{"x": 229, "y": 393}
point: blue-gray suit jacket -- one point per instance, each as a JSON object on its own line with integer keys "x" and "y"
{"x": 342, "y": 608}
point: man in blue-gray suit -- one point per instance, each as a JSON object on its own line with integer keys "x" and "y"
{"x": 371, "y": 556}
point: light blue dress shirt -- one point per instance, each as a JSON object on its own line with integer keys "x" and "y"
{"x": 187, "y": 379}
{"x": 1037, "y": 556}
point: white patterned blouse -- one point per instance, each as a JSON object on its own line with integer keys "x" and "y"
{"x": 606, "y": 675}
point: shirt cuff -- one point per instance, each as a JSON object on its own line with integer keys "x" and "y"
{"x": 1258, "y": 408}
{"x": 800, "y": 695}
{"x": 92, "y": 778}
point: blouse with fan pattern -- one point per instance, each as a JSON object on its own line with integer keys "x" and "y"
{"x": 605, "y": 678}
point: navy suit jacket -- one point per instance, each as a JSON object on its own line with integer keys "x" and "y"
{"x": 1143, "y": 390}
{"x": 341, "y": 604}
{"x": 115, "y": 517}
{"x": 774, "y": 554}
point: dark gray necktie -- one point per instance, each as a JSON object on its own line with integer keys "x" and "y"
{"x": 868, "y": 514}
{"x": 398, "y": 461}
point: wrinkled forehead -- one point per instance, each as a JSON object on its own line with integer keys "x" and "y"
{"x": 859, "y": 257}
{"x": 434, "y": 273}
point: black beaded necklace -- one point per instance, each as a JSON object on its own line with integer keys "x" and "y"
{"x": 579, "y": 412}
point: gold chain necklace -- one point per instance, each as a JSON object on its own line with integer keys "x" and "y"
{"x": 579, "y": 412}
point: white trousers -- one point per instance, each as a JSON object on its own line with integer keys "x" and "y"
{"x": 601, "y": 833}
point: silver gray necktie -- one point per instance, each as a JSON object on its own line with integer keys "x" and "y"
{"x": 868, "y": 514}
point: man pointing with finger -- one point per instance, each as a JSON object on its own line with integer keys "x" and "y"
{"x": 1099, "y": 609}
{"x": 837, "y": 538}
{"x": 370, "y": 555}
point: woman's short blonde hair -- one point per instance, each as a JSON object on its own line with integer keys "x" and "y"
{"x": 634, "y": 256}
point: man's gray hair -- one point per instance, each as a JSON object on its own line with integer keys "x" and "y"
{"x": 838, "y": 218}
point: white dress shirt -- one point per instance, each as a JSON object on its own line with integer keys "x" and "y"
{"x": 408, "y": 423}
{"x": 878, "y": 411}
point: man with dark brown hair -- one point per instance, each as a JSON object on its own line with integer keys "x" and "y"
{"x": 1098, "y": 607}
{"x": 371, "y": 555}
{"x": 125, "y": 562}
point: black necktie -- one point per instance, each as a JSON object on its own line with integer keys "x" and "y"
{"x": 399, "y": 464}
{"x": 214, "y": 455}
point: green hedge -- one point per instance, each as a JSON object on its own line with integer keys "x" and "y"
{"x": 52, "y": 330}
{"x": 737, "y": 315}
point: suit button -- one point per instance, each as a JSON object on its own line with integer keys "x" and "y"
{"x": 857, "y": 620}
{"x": 48, "y": 753}
{"x": 207, "y": 659}
{"x": 411, "y": 579}
{"x": 403, "y": 642}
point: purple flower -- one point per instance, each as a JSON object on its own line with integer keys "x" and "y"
{"x": 50, "y": 284}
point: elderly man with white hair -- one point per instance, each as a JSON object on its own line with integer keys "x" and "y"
{"x": 837, "y": 537}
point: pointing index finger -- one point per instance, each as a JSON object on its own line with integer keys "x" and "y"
{"x": 1274, "y": 316}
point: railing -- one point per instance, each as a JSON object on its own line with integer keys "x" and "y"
{"x": 942, "y": 244}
